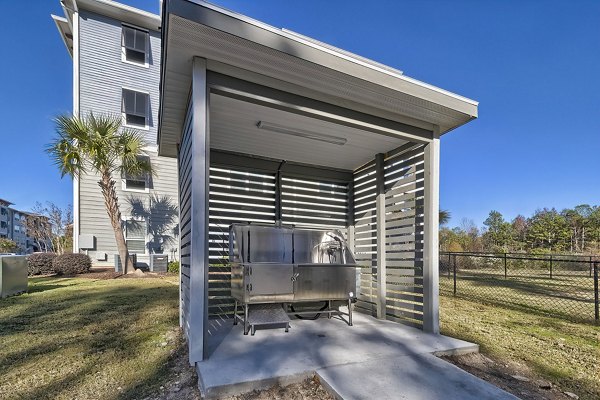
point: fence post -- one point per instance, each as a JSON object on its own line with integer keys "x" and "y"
{"x": 455, "y": 274}
{"x": 591, "y": 266}
{"x": 505, "y": 269}
{"x": 550, "y": 266}
{"x": 596, "y": 310}
{"x": 450, "y": 263}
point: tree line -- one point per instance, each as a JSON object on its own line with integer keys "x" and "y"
{"x": 572, "y": 230}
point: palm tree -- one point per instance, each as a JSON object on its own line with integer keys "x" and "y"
{"x": 444, "y": 217}
{"x": 99, "y": 145}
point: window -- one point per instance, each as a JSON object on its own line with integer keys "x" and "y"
{"x": 3, "y": 211}
{"x": 135, "y": 108}
{"x": 3, "y": 224}
{"x": 138, "y": 183}
{"x": 135, "y": 45}
{"x": 135, "y": 183}
{"x": 135, "y": 235}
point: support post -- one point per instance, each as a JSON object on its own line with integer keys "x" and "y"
{"x": 505, "y": 267}
{"x": 278, "y": 209}
{"x": 454, "y": 275}
{"x": 449, "y": 262}
{"x": 431, "y": 211}
{"x": 550, "y": 266}
{"x": 596, "y": 304}
{"x": 380, "y": 213}
{"x": 200, "y": 165}
{"x": 352, "y": 232}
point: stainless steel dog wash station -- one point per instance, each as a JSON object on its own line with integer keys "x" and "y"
{"x": 275, "y": 269}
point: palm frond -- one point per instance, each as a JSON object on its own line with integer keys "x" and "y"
{"x": 134, "y": 160}
{"x": 98, "y": 143}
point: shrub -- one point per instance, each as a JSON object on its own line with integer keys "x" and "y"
{"x": 40, "y": 263}
{"x": 8, "y": 246}
{"x": 173, "y": 267}
{"x": 72, "y": 263}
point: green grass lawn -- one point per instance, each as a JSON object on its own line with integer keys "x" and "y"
{"x": 113, "y": 339}
{"x": 564, "y": 352}
{"x": 568, "y": 296}
{"x": 87, "y": 339}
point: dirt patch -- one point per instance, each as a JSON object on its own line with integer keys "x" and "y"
{"x": 513, "y": 377}
{"x": 181, "y": 381}
{"x": 309, "y": 389}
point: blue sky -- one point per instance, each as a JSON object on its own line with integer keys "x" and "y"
{"x": 534, "y": 67}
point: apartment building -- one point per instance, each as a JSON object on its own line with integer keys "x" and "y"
{"x": 116, "y": 55}
{"x": 13, "y": 226}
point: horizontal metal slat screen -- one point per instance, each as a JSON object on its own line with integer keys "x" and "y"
{"x": 404, "y": 196}
{"x": 235, "y": 196}
{"x": 184, "y": 169}
{"x": 365, "y": 238}
{"x": 314, "y": 203}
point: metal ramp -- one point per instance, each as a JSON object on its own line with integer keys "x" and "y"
{"x": 263, "y": 315}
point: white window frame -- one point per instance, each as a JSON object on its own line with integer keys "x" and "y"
{"x": 126, "y": 218}
{"x": 146, "y": 127}
{"x": 146, "y": 187}
{"x": 126, "y": 189}
{"x": 124, "y": 59}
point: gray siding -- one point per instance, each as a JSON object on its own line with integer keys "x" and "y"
{"x": 102, "y": 76}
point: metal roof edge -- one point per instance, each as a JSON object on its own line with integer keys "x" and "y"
{"x": 61, "y": 24}
{"x": 121, "y": 12}
{"x": 307, "y": 41}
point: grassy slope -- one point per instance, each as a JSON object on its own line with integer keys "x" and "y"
{"x": 86, "y": 339}
{"x": 566, "y": 353}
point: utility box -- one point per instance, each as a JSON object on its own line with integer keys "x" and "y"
{"x": 159, "y": 262}
{"x": 87, "y": 242}
{"x": 118, "y": 267}
{"x": 13, "y": 275}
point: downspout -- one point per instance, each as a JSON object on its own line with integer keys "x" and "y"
{"x": 76, "y": 110}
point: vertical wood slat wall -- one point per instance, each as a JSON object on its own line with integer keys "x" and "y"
{"x": 250, "y": 196}
{"x": 403, "y": 177}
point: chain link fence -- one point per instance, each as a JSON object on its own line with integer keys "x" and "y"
{"x": 565, "y": 286}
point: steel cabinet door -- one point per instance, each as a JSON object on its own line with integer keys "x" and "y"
{"x": 270, "y": 279}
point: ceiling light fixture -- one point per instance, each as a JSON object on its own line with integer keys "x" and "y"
{"x": 268, "y": 126}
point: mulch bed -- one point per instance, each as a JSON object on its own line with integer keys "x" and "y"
{"x": 109, "y": 273}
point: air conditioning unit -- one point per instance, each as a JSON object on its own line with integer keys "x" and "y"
{"x": 159, "y": 262}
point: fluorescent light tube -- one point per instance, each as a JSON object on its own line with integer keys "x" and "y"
{"x": 268, "y": 126}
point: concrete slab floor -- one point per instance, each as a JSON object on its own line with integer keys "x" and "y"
{"x": 411, "y": 377}
{"x": 239, "y": 363}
